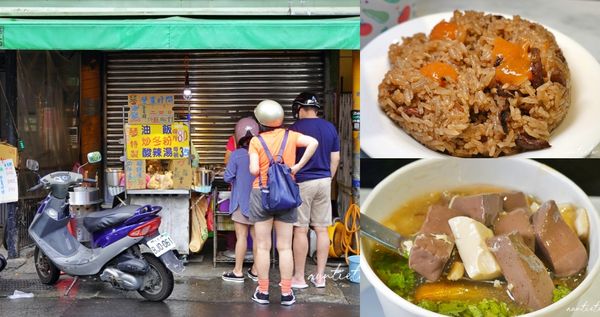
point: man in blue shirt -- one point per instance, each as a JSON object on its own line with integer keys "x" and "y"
{"x": 314, "y": 180}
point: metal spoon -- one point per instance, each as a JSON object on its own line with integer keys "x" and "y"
{"x": 392, "y": 240}
{"x": 385, "y": 236}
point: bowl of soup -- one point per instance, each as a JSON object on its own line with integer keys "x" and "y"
{"x": 502, "y": 236}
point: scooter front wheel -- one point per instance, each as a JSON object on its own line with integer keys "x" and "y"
{"x": 158, "y": 282}
{"x": 46, "y": 270}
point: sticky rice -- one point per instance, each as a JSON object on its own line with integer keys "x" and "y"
{"x": 468, "y": 109}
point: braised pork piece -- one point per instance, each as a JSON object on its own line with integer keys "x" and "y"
{"x": 516, "y": 220}
{"x": 433, "y": 244}
{"x": 531, "y": 283}
{"x": 483, "y": 208}
{"x": 559, "y": 245}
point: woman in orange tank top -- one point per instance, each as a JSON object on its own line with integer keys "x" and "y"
{"x": 270, "y": 114}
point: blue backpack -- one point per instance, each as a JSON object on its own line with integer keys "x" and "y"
{"x": 281, "y": 192}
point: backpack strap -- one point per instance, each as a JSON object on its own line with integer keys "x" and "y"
{"x": 266, "y": 148}
{"x": 283, "y": 144}
{"x": 269, "y": 155}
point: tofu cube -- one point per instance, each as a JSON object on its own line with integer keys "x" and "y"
{"x": 470, "y": 239}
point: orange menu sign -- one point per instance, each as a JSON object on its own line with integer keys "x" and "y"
{"x": 135, "y": 174}
{"x": 182, "y": 173}
{"x": 150, "y": 108}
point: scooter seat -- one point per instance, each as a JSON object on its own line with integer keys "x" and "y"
{"x": 97, "y": 221}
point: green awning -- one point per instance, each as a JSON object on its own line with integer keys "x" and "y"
{"x": 178, "y": 33}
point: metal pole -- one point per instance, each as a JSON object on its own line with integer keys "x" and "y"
{"x": 8, "y": 117}
{"x": 356, "y": 126}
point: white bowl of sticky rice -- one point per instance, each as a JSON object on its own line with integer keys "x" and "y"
{"x": 473, "y": 84}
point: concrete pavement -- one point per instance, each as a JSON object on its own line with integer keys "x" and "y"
{"x": 129, "y": 308}
{"x": 199, "y": 289}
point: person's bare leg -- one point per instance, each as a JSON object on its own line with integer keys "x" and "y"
{"x": 300, "y": 248}
{"x": 284, "y": 233}
{"x": 253, "y": 235}
{"x": 262, "y": 257}
{"x": 241, "y": 244}
{"x": 322, "y": 253}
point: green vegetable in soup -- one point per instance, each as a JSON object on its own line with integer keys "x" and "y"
{"x": 559, "y": 292}
{"x": 483, "y": 308}
{"x": 393, "y": 270}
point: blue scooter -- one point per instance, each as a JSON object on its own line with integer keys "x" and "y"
{"x": 115, "y": 255}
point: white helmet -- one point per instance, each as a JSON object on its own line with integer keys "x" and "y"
{"x": 269, "y": 113}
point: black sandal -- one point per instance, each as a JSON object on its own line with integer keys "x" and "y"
{"x": 231, "y": 277}
{"x": 252, "y": 276}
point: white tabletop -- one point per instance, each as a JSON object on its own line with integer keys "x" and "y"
{"x": 370, "y": 306}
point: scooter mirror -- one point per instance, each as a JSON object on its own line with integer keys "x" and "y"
{"x": 32, "y": 165}
{"x": 94, "y": 157}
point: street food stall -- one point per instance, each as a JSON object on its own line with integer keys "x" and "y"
{"x": 225, "y": 71}
{"x": 157, "y": 162}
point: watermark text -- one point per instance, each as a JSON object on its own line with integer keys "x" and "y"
{"x": 337, "y": 274}
{"x": 585, "y": 307}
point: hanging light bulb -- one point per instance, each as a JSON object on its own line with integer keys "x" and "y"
{"x": 187, "y": 92}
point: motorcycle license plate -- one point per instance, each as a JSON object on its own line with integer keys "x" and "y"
{"x": 161, "y": 244}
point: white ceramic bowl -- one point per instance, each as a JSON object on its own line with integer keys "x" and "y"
{"x": 382, "y": 138}
{"x": 429, "y": 175}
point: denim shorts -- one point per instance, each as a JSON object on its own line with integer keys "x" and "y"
{"x": 257, "y": 212}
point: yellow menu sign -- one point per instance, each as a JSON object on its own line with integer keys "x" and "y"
{"x": 157, "y": 141}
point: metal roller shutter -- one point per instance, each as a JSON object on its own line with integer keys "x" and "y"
{"x": 226, "y": 86}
